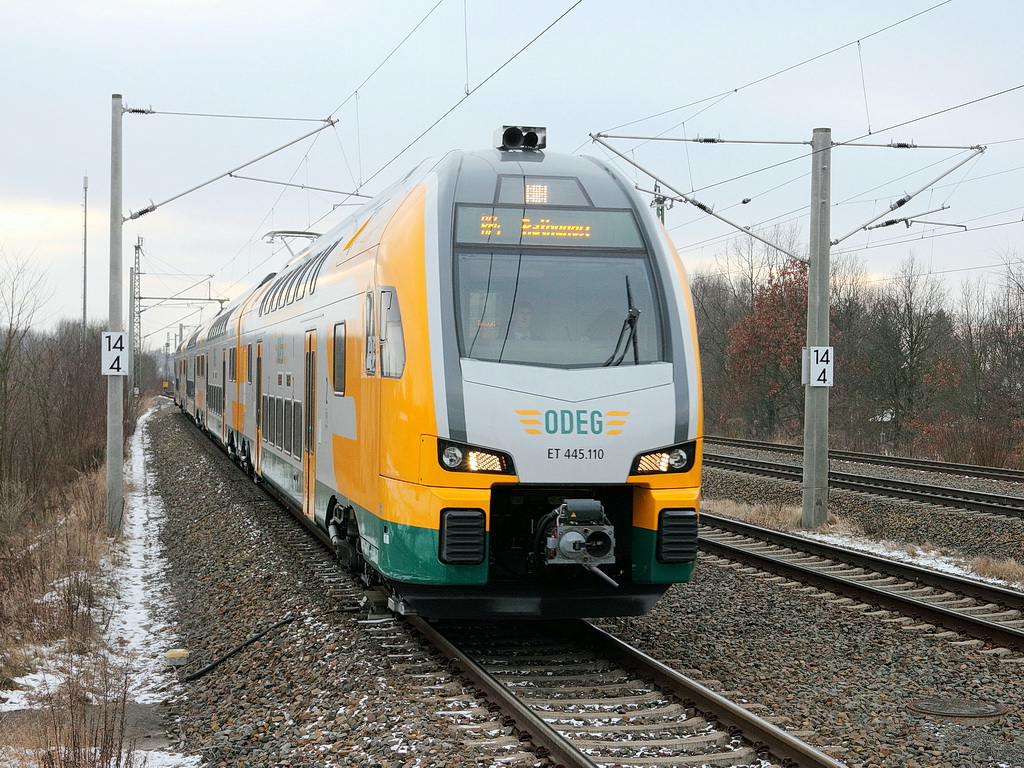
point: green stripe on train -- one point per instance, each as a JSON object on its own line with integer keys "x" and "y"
{"x": 409, "y": 553}
{"x": 647, "y": 569}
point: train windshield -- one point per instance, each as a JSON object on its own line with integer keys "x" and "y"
{"x": 559, "y": 309}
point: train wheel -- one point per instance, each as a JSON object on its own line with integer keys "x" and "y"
{"x": 344, "y": 530}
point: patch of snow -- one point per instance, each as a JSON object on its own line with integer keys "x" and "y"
{"x": 894, "y": 551}
{"x": 136, "y": 635}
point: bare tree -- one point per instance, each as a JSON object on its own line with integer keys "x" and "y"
{"x": 723, "y": 297}
{"x": 22, "y": 294}
{"x": 851, "y": 413}
{"x": 910, "y": 329}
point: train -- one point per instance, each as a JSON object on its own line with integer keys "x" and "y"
{"x": 482, "y": 388}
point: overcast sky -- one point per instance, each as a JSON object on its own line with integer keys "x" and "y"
{"x": 389, "y": 70}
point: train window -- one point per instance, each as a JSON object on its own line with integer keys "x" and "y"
{"x": 265, "y": 408}
{"x": 300, "y": 283}
{"x": 556, "y": 309}
{"x": 546, "y": 227}
{"x": 541, "y": 190}
{"x": 272, "y": 423}
{"x": 233, "y": 364}
{"x": 339, "y": 358}
{"x": 248, "y": 363}
{"x": 278, "y": 434}
{"x": 281, "y": 290}
{"x": 319, "y": 263}
{"x": 289, "y": 291}
{"x": 286, "y": 429}
{"x": 392, "y": 338}
{"x": 297, "y": 428}
{"x": 371, "y": 337}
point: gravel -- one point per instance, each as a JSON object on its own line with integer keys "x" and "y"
{"x": 332, "y": 688}
{"x": 329, "y": 688}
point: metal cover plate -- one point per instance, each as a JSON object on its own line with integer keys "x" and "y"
{"x": 957, "y": 708}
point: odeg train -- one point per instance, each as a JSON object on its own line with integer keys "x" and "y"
{"x": 482, "y": 388}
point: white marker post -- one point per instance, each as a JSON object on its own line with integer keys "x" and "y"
{"x": 821, "y": 362}
{"x": 113, "y": 360}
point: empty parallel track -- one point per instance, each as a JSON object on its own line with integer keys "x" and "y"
{"x": 922, "y": 465}
{"x": 982, "y": 611}
{"x": 926, "y": 493}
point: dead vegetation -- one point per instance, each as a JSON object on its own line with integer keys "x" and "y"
{"x": 779, "y": 517}
{"x": 53, "y": 537}
{"x": 53, "y": 610}
{"x": 81, "y": 722}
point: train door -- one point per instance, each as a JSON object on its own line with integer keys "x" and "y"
{"x": 203, "y": 394}
{"x": 224, "y": 396}
{"x": 258, "y": 447}
{"x": 309, "y": 427}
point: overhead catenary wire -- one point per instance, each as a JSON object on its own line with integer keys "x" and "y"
{"x": 299, "y": 186}
{"x": 782, "y": 71}
{"x": 235, "y": 117}
{"x": 153, "y": 206}
{"x": 475, "y": 88}
{"x": 354, "y": 94}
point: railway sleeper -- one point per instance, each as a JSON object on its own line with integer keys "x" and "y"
{"x": 740, "y": 756}
{"x": 693, "y": 724}
{"x": 981, "y": 611}
{"x": 612, "y": 706}
{"x": 689, "y": 743}
{"x": 603, "y": 691}
{"x": 657, "y": 713}
{"x": 1003, "y": 617}
{"x": 612, "y": 679}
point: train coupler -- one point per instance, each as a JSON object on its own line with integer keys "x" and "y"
{"x": 582, "y": 535}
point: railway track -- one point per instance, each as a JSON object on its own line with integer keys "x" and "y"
{"x": 985, "y": 612}
{"x": 922, "y": 465}
{"x": 586, "y": 699}
{"x": 927, "y": 493}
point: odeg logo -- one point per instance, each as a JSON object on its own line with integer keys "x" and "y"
{"x": 572, "y": 422}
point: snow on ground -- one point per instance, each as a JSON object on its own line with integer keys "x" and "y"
{"x": 897, "y": 552}
{"x": 136, "y": 634}
{"x": 135, "y": 630}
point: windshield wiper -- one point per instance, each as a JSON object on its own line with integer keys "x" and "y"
{"x": 627, "y": 334}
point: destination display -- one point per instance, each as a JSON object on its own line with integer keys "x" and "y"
{"x": 547, "y": 227}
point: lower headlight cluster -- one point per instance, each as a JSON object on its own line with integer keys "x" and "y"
{"x": 459, "y": 457}
{"x": 675, "y": 458}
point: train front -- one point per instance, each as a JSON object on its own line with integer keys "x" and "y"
{"x": 568, "y": 395}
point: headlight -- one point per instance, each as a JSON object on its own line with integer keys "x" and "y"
{"x": 675, "y": 458}
{"x": 451, "y": 457}
{"x": 458, "y": 457}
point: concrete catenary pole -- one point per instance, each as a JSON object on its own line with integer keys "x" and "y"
{"x": 115, "y": 384}
{"x": 85, "y": 249}
{"x": 815, "y": 485}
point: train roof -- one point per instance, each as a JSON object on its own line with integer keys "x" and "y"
{"x": 488, "y": 176}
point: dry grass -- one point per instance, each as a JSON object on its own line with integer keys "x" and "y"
{"x": 48, "y": 574}
{"x": 52, "y": 597}
{"x": 779, "y": 517}
{"x": 1006, "y": 569}
{"x": 81, "y": 723}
